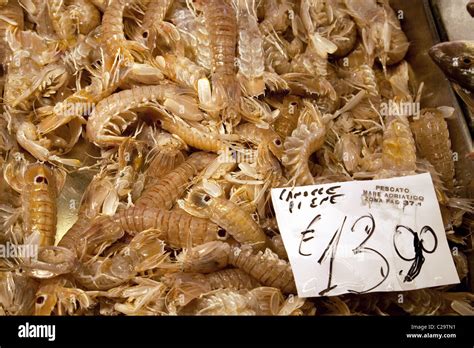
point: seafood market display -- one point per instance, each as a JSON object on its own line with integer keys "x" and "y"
{"x": 183, "y": 115}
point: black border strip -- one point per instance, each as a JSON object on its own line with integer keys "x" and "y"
{"x": 241, "y": 330}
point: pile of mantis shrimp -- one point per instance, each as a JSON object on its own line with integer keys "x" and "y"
{"x": 196, "y": 109}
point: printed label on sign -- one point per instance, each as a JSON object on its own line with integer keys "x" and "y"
{"x": 364, "y": 236}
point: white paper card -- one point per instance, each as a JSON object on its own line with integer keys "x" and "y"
{"x": 364, "y": 236}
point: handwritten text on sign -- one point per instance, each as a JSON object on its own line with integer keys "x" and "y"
{"x": 364, "y": 236}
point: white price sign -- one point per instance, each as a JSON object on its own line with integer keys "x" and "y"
{"x": 364, "y": 236}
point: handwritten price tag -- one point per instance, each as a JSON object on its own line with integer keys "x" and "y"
{"x": 364, "y": 236}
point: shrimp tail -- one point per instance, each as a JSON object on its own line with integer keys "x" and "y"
{"x": 307, "y": 138}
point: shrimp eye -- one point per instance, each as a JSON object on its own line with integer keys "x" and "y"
{"x": 222, "y": 233}
{"x": 206, "y": 198}
{"x": 41, "y": 179}
{"x": 277, "y": 142}
{"x": 40, "y": 300}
